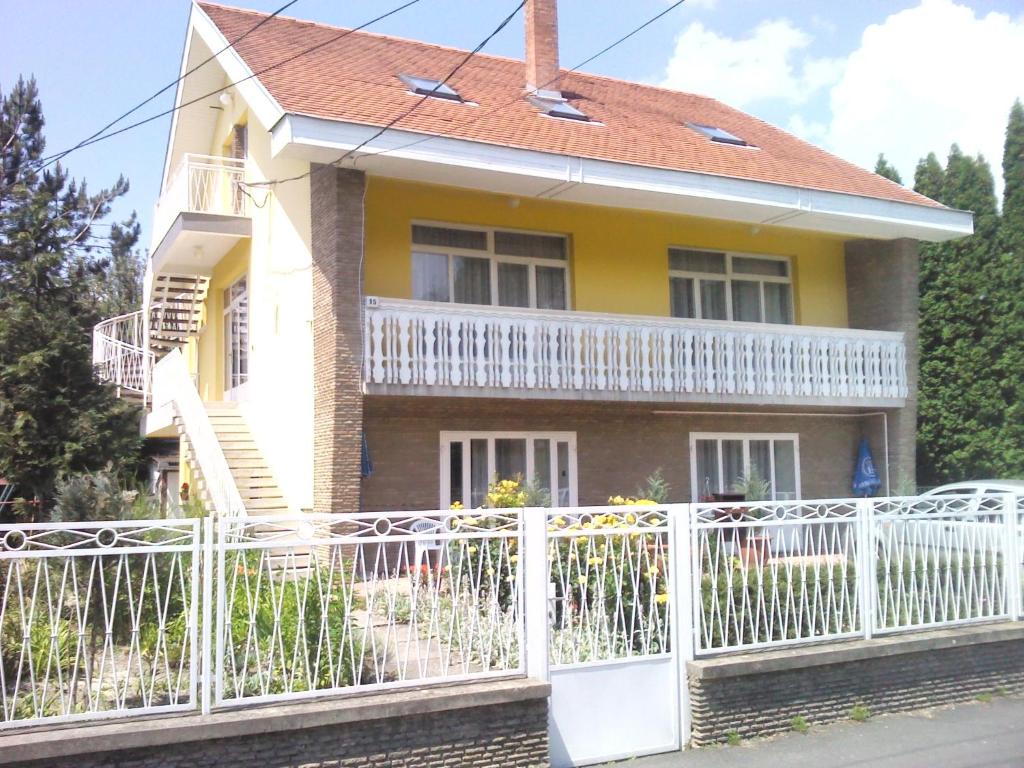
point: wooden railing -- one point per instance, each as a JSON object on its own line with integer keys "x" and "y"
{"x": 459, "y": 349}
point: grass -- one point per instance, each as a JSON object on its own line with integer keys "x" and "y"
{"x": 984, "y": 697}
{"x": 800, "y": 724}
{"x": 859, "y": 713}
{"x": 733, "y": 738}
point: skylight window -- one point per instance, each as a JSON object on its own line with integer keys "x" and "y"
{"x": 424, "y": 86}
{"x": 720, "y": 135}
{"x": 557, "y": 108}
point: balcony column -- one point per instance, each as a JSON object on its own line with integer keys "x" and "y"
{"x": 882, "y": 294}
{"x": 337, "y": 244}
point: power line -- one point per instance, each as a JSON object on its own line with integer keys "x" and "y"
{"x": 552, "y": 81}
{"x": 405, "y": 114}
{"x": 257, "y": 73}
{"x": 200, "y": 65}
{"x": 483, "y": 113}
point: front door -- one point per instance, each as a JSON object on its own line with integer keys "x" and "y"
{"x": 236, "y": 339}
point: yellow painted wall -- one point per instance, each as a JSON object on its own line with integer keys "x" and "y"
{"x": 619, "y": 258}
{"x": 210, "y": 354}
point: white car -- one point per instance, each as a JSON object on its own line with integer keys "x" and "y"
{"x": 978, "y": 488}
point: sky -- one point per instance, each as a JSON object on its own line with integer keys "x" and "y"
{"x": 903, "y": 77}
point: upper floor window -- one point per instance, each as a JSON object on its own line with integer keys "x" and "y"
{"x": 486, "y": 266}
{"x": 713, "y": 285}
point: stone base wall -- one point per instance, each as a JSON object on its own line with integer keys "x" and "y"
{"x": 760, "y": 694}
{"x": 415, "y": 729}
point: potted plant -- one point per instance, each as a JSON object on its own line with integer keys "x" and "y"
{"x": 753, "y": 543}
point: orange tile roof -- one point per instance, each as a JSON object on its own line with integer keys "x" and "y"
{"x": 355, "y": 80}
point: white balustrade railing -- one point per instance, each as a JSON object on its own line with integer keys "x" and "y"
{"x": 200, "y": 184}
{"x": 120, "y": 353}
{"x": 173, "y": 385}
{"x": 429, "y": 346}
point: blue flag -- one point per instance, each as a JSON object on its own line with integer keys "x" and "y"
{"x": 865, "y": 478}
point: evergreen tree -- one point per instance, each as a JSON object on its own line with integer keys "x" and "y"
{"x": 883, "y": 168}
{"x": 961, "y": 407}
{"x": 54, "y": 416}
{"x": 120, "y": 290}
{"x": 1008, "y": 299}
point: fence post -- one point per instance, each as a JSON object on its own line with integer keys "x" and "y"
{"x": 536, "y": 625}
{"x": 205, "y": 626}
{"x": 867, "y": 583}
{"x": 682, "y": 587}
{"x": 1012, "y": 555}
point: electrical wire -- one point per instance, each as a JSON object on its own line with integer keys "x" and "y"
{"x": 61, "y": 155}
{"x": 257, "y": 73}
{"x": 504, "y": 23}
{"x": 480, "y": 115}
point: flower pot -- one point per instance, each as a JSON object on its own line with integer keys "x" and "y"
{"x": 754, "y": 550}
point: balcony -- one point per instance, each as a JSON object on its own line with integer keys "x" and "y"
{"x": 202, "y": 213}
{"x": 421, "y": 348}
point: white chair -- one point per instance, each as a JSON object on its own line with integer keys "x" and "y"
{"x": 423, "y": 547}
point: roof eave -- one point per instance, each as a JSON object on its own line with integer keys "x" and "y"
{"x": 524, "y": 172}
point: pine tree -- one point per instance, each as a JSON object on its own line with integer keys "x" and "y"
{"x": 883, "y": 168}
{"x": 120, "y": 290}
{"x": 54, "y": 416}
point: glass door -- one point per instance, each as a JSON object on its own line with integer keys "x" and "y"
{"x": 236, "y": 339}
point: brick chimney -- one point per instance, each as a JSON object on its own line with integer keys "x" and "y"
{"x": 542, "y": 46}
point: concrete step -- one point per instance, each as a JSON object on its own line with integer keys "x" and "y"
{"x": 266, "y": 504}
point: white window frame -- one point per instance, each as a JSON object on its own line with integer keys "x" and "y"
{"x": 746, "y": 437}
{"x": 447, "y": 438}
{"x": 494, "y": 260}
{"x": 239, "y": 391}
{"x": 728, "y": 276}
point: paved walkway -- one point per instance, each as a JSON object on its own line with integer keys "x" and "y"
{"x": 976, "y": 735}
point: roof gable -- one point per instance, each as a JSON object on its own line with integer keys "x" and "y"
{"x": 356, "y": 80}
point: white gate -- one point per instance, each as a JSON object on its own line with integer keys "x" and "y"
{"x": 613, "y": 641}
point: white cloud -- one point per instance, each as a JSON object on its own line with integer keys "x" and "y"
{"x": 925, "y": 78}
{"x": 758, "y": 68}
{"x": 918, "y": 81}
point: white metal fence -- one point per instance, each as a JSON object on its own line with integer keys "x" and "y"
{"x": 331, "y": 603}
{"x": 775, "y": 573}
{"x": 110, "y": 619}
{"x": 609, "y": 572}
{"x": 200, "y": 184}
{"x": 98, "y": 619}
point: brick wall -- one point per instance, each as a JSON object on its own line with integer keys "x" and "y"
{"x": 955, "y": 666}
{"x": 618, "y": 445}
{"x": 469, "y": 734}
{"x": 337, "y": 242}
{"x": 882, "y": 294}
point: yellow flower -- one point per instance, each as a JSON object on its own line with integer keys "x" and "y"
{"x": 593, "y": 560}
{"x": 558, "y": 522}
{"x": 471, "y": 550}
{"x": 469, "y": 521}
{"x": 490, "y": 571}
{"x": 514, "y": 559}
{"x": 653, "y": 571}
{"x": 588, "y": 525}
{"x": 661, "y": 598}
{"x": 630, "y": 518}
{"x": 582, "y": 580}
{"x": 456, "y": 505}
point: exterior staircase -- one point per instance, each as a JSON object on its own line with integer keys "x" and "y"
{"x": 256, "y": 485}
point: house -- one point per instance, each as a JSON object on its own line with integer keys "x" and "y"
{"x": 534, "y": 272}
